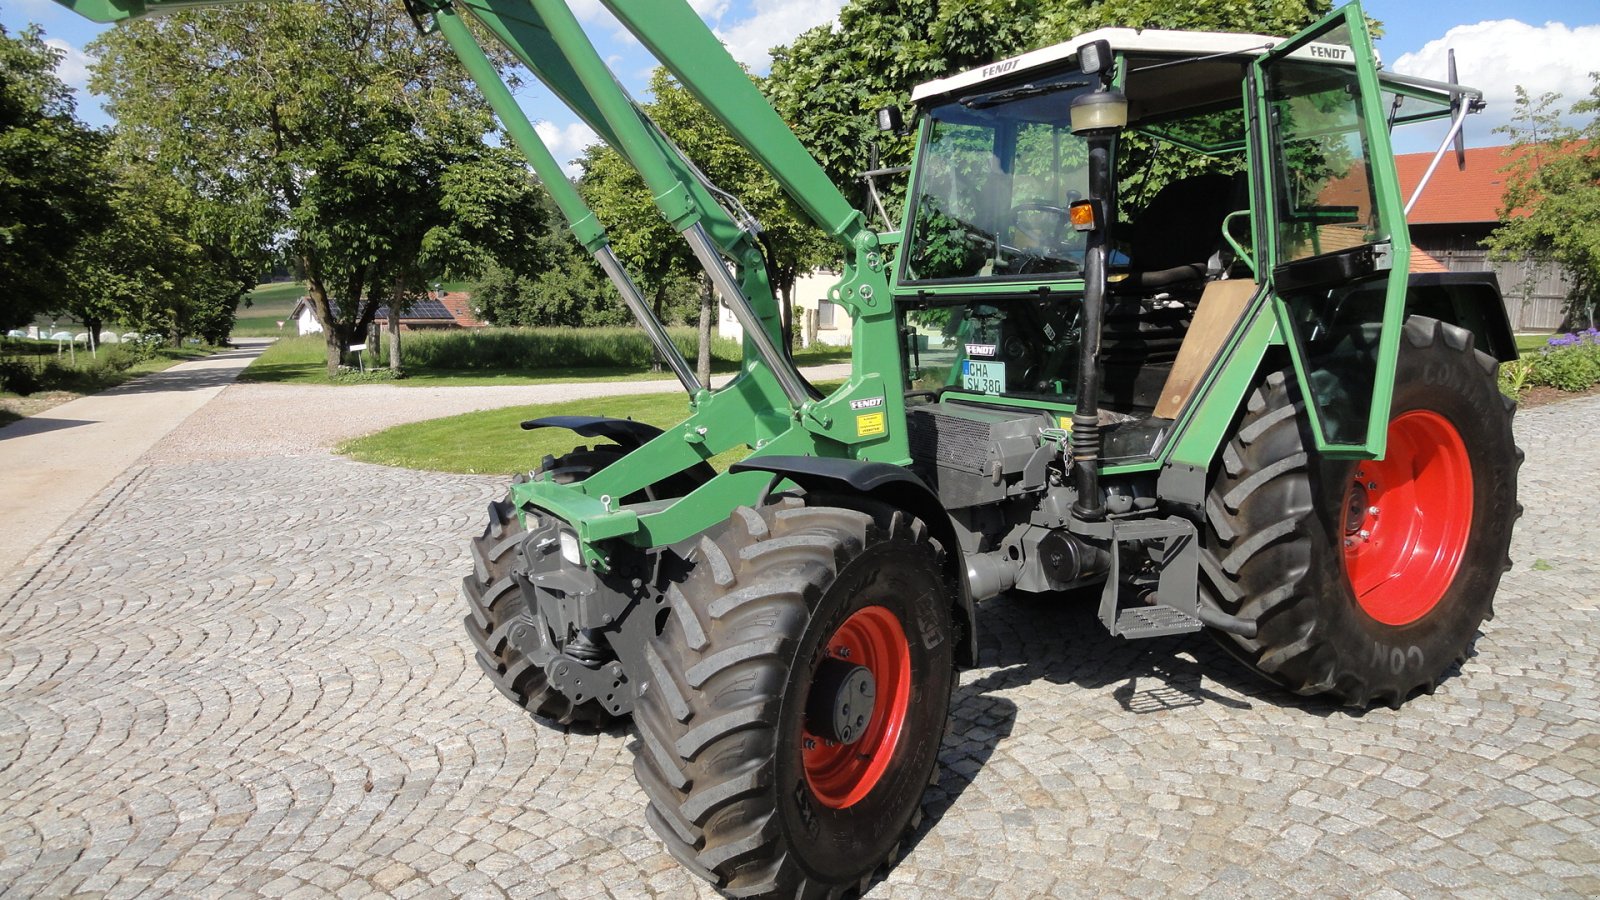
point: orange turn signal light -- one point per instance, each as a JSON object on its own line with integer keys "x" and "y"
{"x": 1081, "y": 214}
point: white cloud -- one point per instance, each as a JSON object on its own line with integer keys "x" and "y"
{"x": 710, "y": 10}
{"x": 771, "y": 23}
{"x": 1495, "y": 56}
{"x": 566, "y": 142}
{"x": 73, "y": 65}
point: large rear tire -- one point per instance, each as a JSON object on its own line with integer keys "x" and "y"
{"x": 1368, "y": 580}
{"x": 760, "y": 774}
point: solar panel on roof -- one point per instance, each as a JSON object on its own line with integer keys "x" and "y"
{"x": 422, "y": 309}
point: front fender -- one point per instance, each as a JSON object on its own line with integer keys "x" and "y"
{"x": 897, "y": 487}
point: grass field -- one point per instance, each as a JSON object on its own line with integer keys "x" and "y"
{"x": 509, "y": 356}
{"x": 269, "y": 304}
{"x": 492, "y": 442}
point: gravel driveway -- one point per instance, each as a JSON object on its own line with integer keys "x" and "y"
{"x": 240, "y": 670}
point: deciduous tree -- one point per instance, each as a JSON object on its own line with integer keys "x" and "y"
{"x": 358, "y": 145}
{"x": 50, "y": 197}
{"x": 1551, "y": 205}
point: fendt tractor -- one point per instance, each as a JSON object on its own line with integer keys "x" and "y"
{"x": 1149, "y": 322}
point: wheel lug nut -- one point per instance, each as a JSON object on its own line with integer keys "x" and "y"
{"x": 1372, "y": 510}
{"x": 844, "y": 652}
{"x": 1372, "y": 485}
{"x": 1365, "y": 534}
{"x": 811, "y": 744}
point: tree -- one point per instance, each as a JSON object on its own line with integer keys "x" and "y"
{"x": 360, "y": 148}
{"x": 1551, "y": 205}
{"x": 827, "y": 82}
{"x": 164, "y": 263}
{"x": 49, "y": 178}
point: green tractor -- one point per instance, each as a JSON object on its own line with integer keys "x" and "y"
{"x": 1151, "y": 323}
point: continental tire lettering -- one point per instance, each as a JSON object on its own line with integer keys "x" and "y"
{"x": 1396, "y": 659}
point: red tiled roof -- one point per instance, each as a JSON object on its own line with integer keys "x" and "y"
{"x": 460, "y": 309}
{"x": 1452, "y": 195}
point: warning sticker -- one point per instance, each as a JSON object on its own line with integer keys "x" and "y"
{"x": 869, "y": 424}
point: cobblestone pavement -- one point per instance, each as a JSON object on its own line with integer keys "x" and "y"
{"x": 247, "y": 676}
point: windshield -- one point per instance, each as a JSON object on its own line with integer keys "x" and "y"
{"x": 997, "y": 171}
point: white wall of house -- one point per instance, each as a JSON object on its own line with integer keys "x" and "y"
{"x": 833, "y": 324}
{"x": 305, "y": 322}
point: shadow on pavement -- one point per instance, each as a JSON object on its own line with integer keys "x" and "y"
{"x": 37, "y": 425}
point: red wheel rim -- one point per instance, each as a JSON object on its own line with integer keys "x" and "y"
{"x": 841, "y": 774}
{"x": 1407, "y": 517}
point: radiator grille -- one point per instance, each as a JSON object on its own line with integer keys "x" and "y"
{"x": 951, "y": 442}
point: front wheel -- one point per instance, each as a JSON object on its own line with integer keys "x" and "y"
{"x": 797, "y": 700}
{"x": 1368, "y": 580}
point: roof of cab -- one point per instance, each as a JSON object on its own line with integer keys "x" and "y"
{"x": 1152, "y": 41}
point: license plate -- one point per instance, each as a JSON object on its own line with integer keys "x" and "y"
{"x": 983, "y": 377}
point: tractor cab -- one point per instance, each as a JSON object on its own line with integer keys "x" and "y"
{"x": 1236, "y": 162}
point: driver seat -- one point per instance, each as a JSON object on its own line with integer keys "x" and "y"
{"x": 1175, "y": 236}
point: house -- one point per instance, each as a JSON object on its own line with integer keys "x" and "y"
{"x": 832, "y": 324}
{"x": 1458, "y": 210}
{"x": 440, "y": 309}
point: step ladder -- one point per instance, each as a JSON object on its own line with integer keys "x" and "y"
{"x": 1164, "y": 558}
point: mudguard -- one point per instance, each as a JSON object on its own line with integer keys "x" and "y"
{"x": 630, "y": 436}
{"x": 624, "y": 432}
{"x": 1471, "y": 300}
{"x": 898, "y": 487}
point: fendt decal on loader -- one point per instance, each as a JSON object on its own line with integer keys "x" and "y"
{"x": 1148, "y": 323}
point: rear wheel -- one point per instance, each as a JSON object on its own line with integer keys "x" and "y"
{"x": 797, "y": 698}
{"x": 1368, "y": 579}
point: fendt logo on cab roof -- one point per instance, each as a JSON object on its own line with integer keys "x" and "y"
{"x": 999, "y": 68}
{"x": 1324, "y": 52}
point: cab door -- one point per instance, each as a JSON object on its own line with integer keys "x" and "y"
{"x": 1335, "y": 234}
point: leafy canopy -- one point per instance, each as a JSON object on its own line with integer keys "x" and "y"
{"x": 50, "y": 198}
{"x": 1551, "y": 205}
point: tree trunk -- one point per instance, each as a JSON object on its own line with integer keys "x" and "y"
{"x": 394, "y": 334}
{"x": 657, "y": 364}
{"x": 708, "y": 308}
{"x": 320, "y": 307}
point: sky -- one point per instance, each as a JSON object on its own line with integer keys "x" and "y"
{"x": 1544, "y": 45}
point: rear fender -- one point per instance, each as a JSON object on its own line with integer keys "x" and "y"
{"x": 1471, "y": 300}
{"x": 899, "y": 488}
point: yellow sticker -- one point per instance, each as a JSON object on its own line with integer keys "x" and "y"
{"x": 1064, "y": 423}
{"x": 869, "y": 424}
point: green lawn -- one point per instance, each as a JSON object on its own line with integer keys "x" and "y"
{"x": 302, "y": 360}
{"x": 1526, "y": 342}
{"x": 492, "y": 442}
{"x": 269, "y": 305}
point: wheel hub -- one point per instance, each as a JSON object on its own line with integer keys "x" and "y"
{"x": 1407, "y": 518}
{"x": 841, "y": 701}
{"x": 859, "y": 698}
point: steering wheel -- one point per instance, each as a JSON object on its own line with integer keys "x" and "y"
{"x": 1042, "y": 240}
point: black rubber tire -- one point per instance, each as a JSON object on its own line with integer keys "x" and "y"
{"x": 1273, "y": 541}
{"x": 720, "y": 722}
{"x": 495, "y": 604}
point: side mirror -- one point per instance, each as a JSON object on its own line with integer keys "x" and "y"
{"x": 889, "y": 119}
{"x": 1094, "y": 58}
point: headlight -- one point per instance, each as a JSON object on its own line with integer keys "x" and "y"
{"x": 569, "y": 548}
